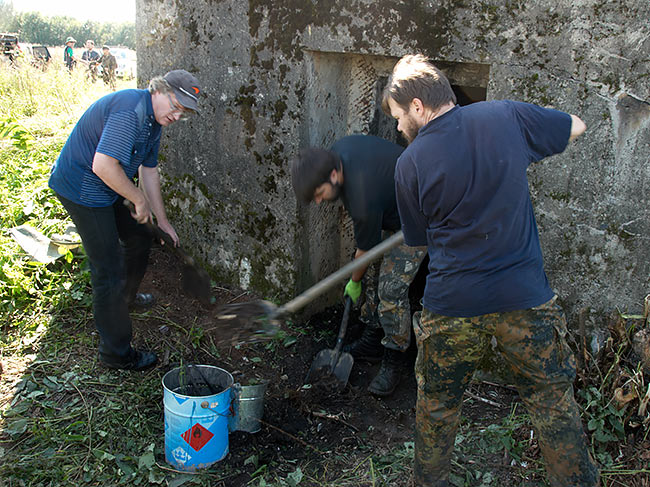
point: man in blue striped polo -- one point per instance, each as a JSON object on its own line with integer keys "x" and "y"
{"x": 116, "y": 139}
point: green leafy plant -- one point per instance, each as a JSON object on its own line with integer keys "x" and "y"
{"x": 611, "y": 391}
{"x": 196, "y": 335}
{"x": 20, "y": 137}
{"x": 604, "y": 421}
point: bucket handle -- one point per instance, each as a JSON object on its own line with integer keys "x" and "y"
{"x": 236, "y": 387}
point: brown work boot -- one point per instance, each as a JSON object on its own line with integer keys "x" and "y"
{"x": 388, "y": 377}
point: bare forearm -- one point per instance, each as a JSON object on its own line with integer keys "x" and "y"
{"x": 150, "y": 183}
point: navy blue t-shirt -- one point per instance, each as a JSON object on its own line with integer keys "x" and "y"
{"x": 121, "y": 125}
{"x": 462, "y": 190}
{"x": 369, "y": 186}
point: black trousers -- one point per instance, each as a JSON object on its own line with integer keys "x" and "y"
{"x": 118, "y": 250}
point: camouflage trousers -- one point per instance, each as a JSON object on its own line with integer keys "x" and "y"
{"x": 533, "y": 343}
{"x": 386, "y": 288}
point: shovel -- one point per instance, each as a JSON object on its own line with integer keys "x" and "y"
{"x": 260, "y": 318}
{"x": 196, "y": 281}
{"x": 330, "y": 362}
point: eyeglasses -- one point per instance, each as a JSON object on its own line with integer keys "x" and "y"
{"x": 176, "y": 108}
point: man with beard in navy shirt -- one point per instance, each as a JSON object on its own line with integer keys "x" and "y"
{"x": 462, "y": 191}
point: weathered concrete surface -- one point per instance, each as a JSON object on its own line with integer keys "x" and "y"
{"x": 280, "y": 75}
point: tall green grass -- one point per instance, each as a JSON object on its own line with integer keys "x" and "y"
{"x": 45, "y": 101}
{"x": 37, "y": 111}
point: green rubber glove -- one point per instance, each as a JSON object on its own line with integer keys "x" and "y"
{"x": 353, "y": 289}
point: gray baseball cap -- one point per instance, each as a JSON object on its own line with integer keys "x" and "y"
{"x": 186, "y": 88}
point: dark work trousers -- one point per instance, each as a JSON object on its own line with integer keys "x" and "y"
{"x": 118, "y": 250}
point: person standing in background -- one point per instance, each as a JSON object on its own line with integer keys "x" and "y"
{"x": 68, "y": 53}
{"x": 90, "y": 57}
{"x": 109, "y": 65}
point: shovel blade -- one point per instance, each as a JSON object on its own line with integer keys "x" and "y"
{"x": 322, "y": 365}
{"x": 197, "y": 283}
{"x": 330, "y": 364}
{"x": 343, "y": 368}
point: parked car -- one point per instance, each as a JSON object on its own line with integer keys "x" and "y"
{"x": 126, "y": 62}
{"x": 10, "y": 47}
{"x": 40, "y": 56}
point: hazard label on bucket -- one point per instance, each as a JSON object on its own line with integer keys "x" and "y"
{"x": 197, "y": 436}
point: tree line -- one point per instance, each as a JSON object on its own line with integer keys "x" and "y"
{"x": 35, "y": 28}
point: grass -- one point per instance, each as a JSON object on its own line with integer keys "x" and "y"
{"x": 37, "y": 110}
{"x": 64, "y": 423}
{"x": 51, "y": 433}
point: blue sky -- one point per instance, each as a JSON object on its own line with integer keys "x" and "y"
{"x": 98, "y": 10}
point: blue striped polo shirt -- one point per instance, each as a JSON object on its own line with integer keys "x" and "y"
{"x": 120, "y": 125}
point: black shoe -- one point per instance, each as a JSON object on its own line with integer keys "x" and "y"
{"x": 142, "y": 300}
{"x": 368, "y": 347}
{"x": 389, "y": 375}
{"x": 137, "y": 360}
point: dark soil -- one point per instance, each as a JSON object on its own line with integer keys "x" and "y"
{"x": 300, "y": 423}
{"x": 318, "y": 425}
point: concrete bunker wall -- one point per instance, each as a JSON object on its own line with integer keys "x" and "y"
{"x": 283, "y": 75}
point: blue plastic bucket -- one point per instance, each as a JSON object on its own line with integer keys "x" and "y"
{"x": 197, "y": 400}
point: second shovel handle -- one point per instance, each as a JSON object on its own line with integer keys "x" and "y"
{"x": 344, "y": 325}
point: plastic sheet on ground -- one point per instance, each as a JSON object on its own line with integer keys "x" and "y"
{"x": 41, "y": 248}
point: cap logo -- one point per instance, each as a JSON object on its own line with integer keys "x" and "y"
{"x": 196, "y": 90}
{"x": 183, "y": 90}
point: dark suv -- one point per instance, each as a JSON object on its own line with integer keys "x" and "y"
{"x": 40, "y": 56}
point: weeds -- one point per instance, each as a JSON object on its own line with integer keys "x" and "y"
{"x": 614, "y": 394}
{"x": 20, "y": 137}
{"x": 31, "y": 102}
{"x": 44, "y": 103}
{"x": 33, "y": 292}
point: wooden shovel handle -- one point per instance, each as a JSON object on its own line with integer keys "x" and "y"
{"x": 155, "y": 229}
{"x": 160, "y": 234}
{"x": 343, "y": 273}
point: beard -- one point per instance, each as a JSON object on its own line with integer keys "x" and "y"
{"x": 336, "y": 191}
{"x": 410, "y": 129}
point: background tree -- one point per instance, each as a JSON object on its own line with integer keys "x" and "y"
{"x": 6, "y": 15}
{"x": 36, "y": 28}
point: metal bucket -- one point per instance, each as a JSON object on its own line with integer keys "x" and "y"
{"x": 249, "y": 407}
{"x": 197, "y": 402}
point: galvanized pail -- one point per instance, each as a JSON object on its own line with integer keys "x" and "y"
{"x": 197, "y": 401}
{"x": 248, "y": 407}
